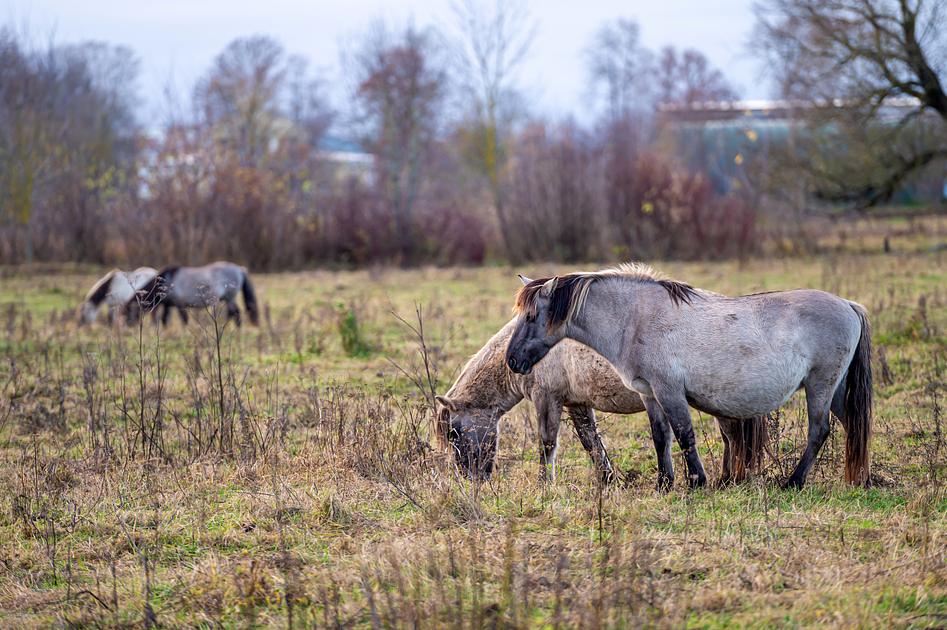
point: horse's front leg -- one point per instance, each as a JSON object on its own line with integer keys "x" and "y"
{"x": 674, "y": 404}
{"x": 549, "y": 414}
{"x": 166, "y": 314}
{"x": 661, "y": 436}
{"x": 583, "y": 419}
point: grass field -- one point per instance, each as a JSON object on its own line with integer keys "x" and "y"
{"x": 287, "y": 474}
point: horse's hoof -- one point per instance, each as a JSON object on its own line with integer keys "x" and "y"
{"x": 697, "y": 481}
{"x": 665, "y": 484}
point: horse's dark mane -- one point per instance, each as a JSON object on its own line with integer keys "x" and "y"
{"x": 678, "y": 291}
{"x": 155, "y": 290}
{"x": 169, "y": 271}
{"x": 102, "y": 290}
{"x": 147, "y": 288}
{"x": 563, "y": 296}
{"x": 570, "y": 291}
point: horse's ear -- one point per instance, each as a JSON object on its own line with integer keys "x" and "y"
{"x": 447, "y": 402}
{"x": 549, "y": 287}
{"x": 524, "y": 279}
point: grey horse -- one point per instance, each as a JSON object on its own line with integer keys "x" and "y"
{"x": 197, "y": 287}
{"x": 734, "y": 358}
{"x": 572, "y": 376}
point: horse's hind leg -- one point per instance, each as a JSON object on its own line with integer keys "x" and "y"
{"x": 233, "y": 312}
{"x": 182, "y": 312}
{"x": 549, "y": 413}
{"x": 678, "y": 415}
{"x": 818, "y": 402}
{"x": 661, "y": 436}
{"x": 838, "y": 404}
{"x": 583, "y": 419}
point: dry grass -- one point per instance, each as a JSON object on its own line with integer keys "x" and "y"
{"x": 284, "y": 475}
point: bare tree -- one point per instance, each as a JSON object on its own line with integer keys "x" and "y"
{"x": 621, "y": 67}
{"x": 853, "y": 61}
{"x": 241, "y": 176}
{"x": 687, "y": 78}
{"x": 310, "y": 116}
{"x": 399, "y": 96}
{"x": 555, "y": 194}
{"x": 67, "y": 142}
{"x": 240, "y": 94}
{"x": 22, "y": 134}
{"x": 490, "y": 47}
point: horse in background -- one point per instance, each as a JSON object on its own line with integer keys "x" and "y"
{"x": 571, "y": 376}
{"x": 114, "y": 290}
{"x": 196, "y": 287}
{"x": 736, "y": 358}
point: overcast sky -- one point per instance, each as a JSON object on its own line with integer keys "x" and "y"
{"x": 177, "y": 39}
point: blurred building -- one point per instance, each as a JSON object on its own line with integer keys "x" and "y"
{"x": 347, "y": 155}
{"x": 166, "y": 153}
{"x": 721, "y": 138}
{"x": 730, "y": 140}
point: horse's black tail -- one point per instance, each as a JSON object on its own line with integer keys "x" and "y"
{"x": 249, "y": 300}
{"x": 747, "y": 447}
{"x": 857, "y": 406}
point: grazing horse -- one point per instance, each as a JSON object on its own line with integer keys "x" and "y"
{"x": 197, "y": 287}
{"x": 114, "y": 289}
{"x": 571, "y": 376}
{"x": 734, "y": 358}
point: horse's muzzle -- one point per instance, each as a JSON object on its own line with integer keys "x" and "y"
{"x": 519, "y": 367}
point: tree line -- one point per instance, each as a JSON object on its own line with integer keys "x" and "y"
{"x": 457, "y": 168}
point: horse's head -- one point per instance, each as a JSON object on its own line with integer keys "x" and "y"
{"x": 471, "y": 433}
{"x": 89, "y": 308}
{"x": 87, "y": 312}
{"x": 542, "y": 306}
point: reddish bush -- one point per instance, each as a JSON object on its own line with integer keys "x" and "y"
{"x": 573, "y": 198}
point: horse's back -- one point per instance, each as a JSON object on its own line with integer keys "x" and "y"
{"x": 230, "y": 276}
{"x": 779, "y": 316}
{"x": 818, "y": 322}
{"x": 202, "y": 286}
{"x": 140, "y": 276}
{"x": 123, "y": 287}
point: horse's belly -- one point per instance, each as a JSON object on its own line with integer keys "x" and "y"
{"x": 198, "y": 301}
{"x": 199, "y": 297}
{"x": 740, "y": 407}
{"x": 744, "y": 394}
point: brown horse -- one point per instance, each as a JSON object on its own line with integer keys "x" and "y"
{"x": 571, "y": 376}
